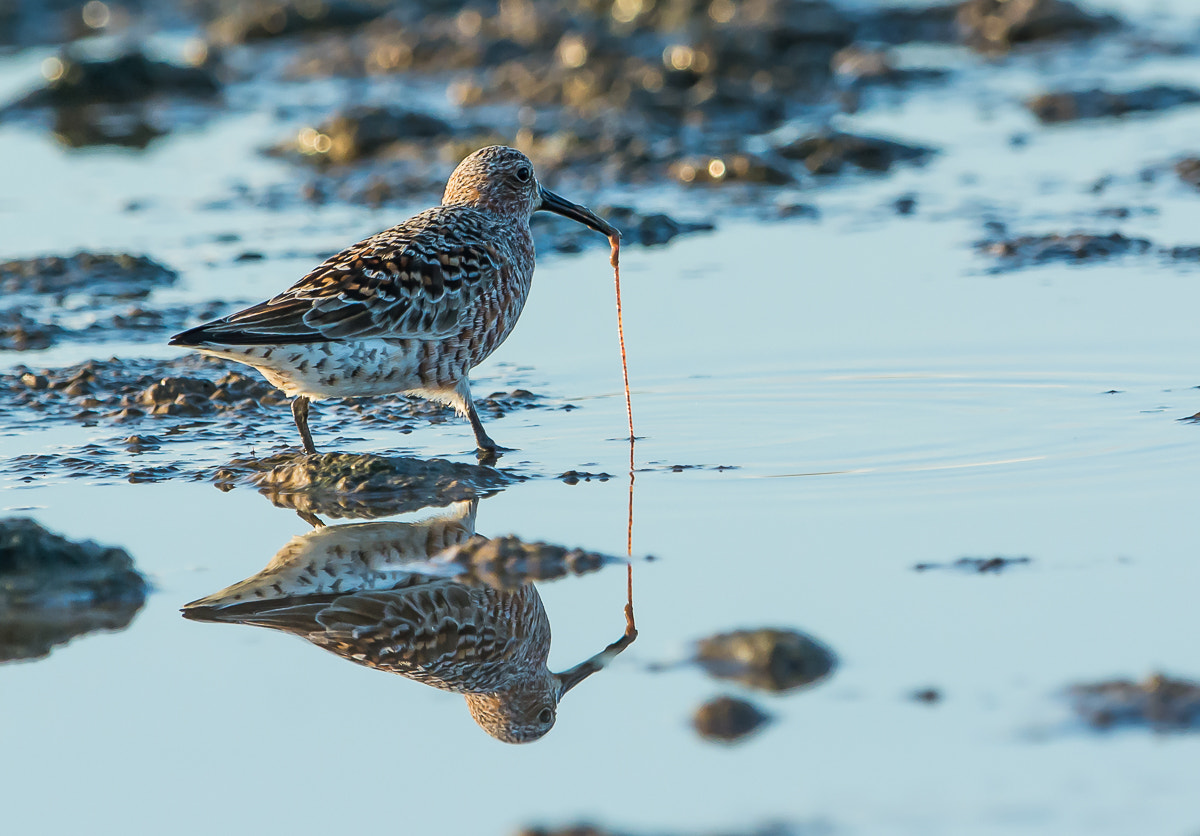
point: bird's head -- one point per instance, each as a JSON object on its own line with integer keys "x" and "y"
{"x": 501, "y": 179}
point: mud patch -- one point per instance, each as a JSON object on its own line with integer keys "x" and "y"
{"x": 977, "y": 565}
{"x": 363, "y": 132}
{"x": 1028, "y": 250}
{"x": 118, "y": 275}
{"x": 120, "y": 392}
{"x": 509, "y": 562}
{"x": 829, "y": 152}
{"x": 1159, "y": 703}
{"x": 362, "y": 486}
{"x": 128, "y": 100}
{"x": 1069, "y": 106}
{"x": 998, "y": 25}
{"x": 770, "y": 660}
{"x": 267, "y": 19}
{"x": 53, "y": 590}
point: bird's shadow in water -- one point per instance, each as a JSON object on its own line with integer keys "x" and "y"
{"x": 429, "y": 600}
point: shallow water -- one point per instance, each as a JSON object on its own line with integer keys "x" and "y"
{"x": 850, "y": 397}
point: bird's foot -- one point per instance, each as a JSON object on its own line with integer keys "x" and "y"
{"x": 491, "y": 454}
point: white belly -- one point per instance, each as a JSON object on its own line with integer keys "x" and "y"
{"x": 334, "y": 369}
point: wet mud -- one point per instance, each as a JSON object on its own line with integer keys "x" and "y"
{"x": 53, "y": 590}
{"x": 196, "y": 398}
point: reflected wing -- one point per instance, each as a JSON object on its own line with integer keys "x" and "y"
{"x": 428, "y": 625}
{"x": 413, "y": 281}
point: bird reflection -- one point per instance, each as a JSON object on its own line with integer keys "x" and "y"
{"x": 395, "y": 596}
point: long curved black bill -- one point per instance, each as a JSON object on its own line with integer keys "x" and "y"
{"x": 561, "y": 206}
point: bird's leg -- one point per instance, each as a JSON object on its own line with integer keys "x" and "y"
{"x": 300, "y": 413}
{"x": 486, "y": 449}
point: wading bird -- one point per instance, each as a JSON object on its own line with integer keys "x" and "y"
{"x": 412, "y": 309}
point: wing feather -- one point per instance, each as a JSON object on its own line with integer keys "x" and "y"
{"x": 417, "y": 280}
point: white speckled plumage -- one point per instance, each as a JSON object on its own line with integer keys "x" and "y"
{"x": 412, "y": 309}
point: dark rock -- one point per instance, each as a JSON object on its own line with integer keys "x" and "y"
{"x": 362, "y": 485}
{"x": 993, "y": 25}
{"x": 928, "y": 696}
{"x": 122, "y": 80}
{"x": 52, "y": 590}
{"x": 1068, "y": 106}
{"x": 258, "y": 20}
{"x": 829, "y": 152}
{"x": 728, "y": 720}
{"x": 766, "y": 659}
{"x": 360, "y": 132}
{"x": 980, "y": 565}
{"x": 1160, "y": 703}
{"x": 1077, "y": 246}
{"x": 93, "y": 274}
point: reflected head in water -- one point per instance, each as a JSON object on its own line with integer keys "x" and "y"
{"x": 398, "y": 597}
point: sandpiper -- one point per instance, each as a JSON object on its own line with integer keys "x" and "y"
{"x": 359, "y": 591}
{"x": 412, "y": 309}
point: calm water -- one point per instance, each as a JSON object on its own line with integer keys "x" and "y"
{"x": 883, "y": 399}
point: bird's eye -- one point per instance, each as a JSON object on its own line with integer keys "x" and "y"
{"x": 524, "y": 173}
{"x": 545, "y": 715}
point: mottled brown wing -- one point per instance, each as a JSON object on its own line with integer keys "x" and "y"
{"x": 434, "y": 627}
{"x": 417, "y": 280}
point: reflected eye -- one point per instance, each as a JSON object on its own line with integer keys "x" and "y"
{"x": 523, "y": 174}
{"x": 545, "y": 715}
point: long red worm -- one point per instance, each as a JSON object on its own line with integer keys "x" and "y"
{"x": 615, "y": 242}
